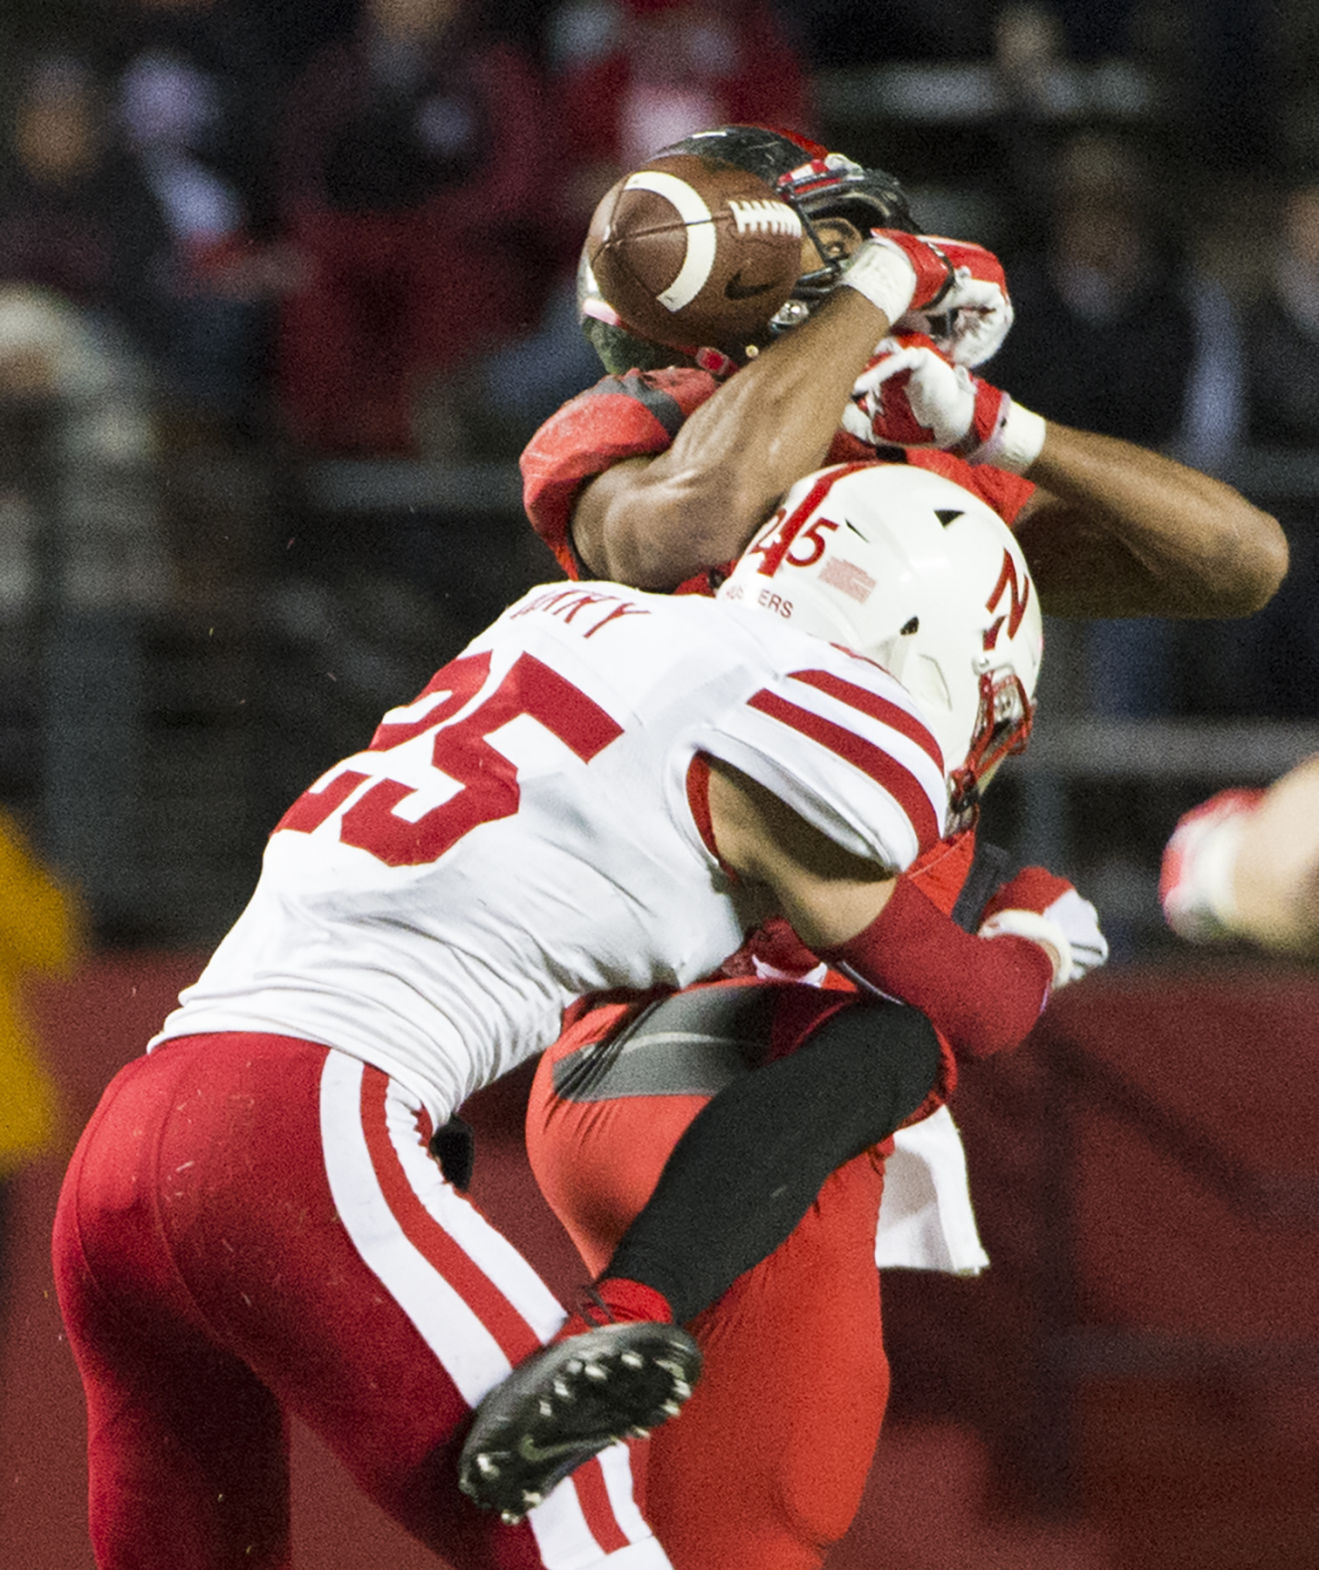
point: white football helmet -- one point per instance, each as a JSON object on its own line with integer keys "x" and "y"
{"x": 908, "y": 568}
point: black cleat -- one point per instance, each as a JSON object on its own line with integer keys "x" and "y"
{"x": 568, "y": 1402}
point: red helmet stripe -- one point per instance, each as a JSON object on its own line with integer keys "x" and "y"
{"x": 792, "y": 525}
{"x": 812, "y": 149}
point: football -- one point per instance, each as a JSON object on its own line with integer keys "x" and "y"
{"x": 692, "y": 253}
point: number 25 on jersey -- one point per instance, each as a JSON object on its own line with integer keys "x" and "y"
{"x": 488, "y": 782}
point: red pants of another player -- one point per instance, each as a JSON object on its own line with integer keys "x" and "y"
{"x": 251, "y": 1227}
{"x": 766, "y": 1466}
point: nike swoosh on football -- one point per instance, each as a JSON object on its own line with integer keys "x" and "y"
{"x": 735, "y": 289}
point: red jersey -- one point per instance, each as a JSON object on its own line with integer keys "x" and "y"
{"x": 639, "y": 414}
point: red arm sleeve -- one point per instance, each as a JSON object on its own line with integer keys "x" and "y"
{"x": 983, "y": 994}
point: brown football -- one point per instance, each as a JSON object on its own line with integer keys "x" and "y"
{"x": 691, "y": 252}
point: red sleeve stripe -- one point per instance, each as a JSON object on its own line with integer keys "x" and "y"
{"x": 883, "y": 709}
{"x": 873, "y": 761}
{"x": 698, "y": 801}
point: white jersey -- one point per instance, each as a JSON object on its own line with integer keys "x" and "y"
{"x": 521, "y": 834}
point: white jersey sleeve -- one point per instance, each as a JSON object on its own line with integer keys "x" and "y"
{"x": 843, "y": 744}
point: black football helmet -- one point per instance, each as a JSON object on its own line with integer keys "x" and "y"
{"x": 818, "y": 184}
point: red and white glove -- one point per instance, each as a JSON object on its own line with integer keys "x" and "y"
{"x": 1195, "y": 880}
{"x": 1036, "y": 904}
{"x": 971, "y": 321}
{"x": 911, "y": 396}
{"x": 898, "y": 272}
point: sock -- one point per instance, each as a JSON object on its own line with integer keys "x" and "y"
{"x": 615, "y": 1300}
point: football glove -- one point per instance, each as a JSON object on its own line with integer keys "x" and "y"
{"x": 911, "y": 396}
{"x": 1036, "y": 904}
{"x": 1195, "y": 888}
{"x": 971, "y": 321}
{"x": 959, "y": 297}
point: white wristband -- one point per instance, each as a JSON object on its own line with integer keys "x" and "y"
{"x": 880, "y": 271}
{"x": 1017, "y": 441}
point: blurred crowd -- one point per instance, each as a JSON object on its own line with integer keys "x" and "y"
{"x": 348, "y": 229}
{"x": 317, "y": 233}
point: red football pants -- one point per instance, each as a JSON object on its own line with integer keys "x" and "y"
{"x": 767, "y": 1463}
{"x": 251, "y": 1227}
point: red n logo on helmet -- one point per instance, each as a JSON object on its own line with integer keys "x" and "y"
{"x": 1018, "y": 598}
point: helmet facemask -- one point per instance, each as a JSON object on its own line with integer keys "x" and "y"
{"x": 831, "y": 190}
{"x": 1004, "y": 722}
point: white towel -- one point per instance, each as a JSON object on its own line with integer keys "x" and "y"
{"x": 925, "y": 1217}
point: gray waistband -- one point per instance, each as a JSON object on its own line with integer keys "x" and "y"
{"x": 690, "y": 1044}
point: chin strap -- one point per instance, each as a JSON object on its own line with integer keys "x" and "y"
{"x": 715, "y": 361}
